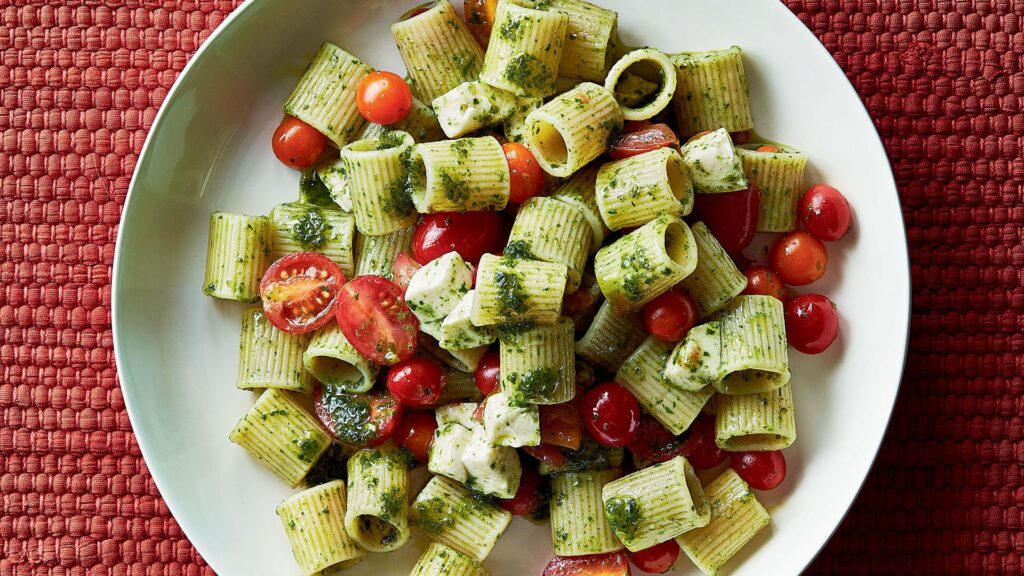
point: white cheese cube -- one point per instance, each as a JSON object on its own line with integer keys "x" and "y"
{"x": 435, "y": 289}
{"x": 713, "y": 163}
{"x": 511, "y": 425}
{"x": 471, "y": 106}
{"x": 460, "y": 413}
{"x": 696, "y": 362}
{"x": 490, "y": 469}
{"x": 333, "y": 175}
{"x": 447, "y": 451}
{"x": 458, "y": 333}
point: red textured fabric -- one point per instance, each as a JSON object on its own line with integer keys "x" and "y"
{"x": 81, "y": 84}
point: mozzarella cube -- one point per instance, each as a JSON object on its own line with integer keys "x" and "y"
{"x": 447, "y": 451}
{"x": 458, "y": 333}
{"x": 713, "y": 163}
{"x": 460, "y": 413}
{"x": 334, "y": 176}
{"x": 696, "y": 362}
{"x": 471, "y": 106}
{"x": 511, "y": 425}
{"x": 490, "y": 469}
{"x": 435, "y": 289}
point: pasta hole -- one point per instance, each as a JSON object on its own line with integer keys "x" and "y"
{"x": 677, "y": 244}
{"x": 700, "y": 503}
{"x": 549, "y": 142}
{"x": 375, "y": 532}
{"x": 335, "y": 371}
{"x": 678, "y": 178}
{"x": 640, "y": 84}
{"x": 417, "y": 179}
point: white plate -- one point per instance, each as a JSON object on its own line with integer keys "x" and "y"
{"x": 209, "y": 149}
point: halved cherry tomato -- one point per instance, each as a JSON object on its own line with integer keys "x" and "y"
{"x": 526, "y": 176}
{"x": 478, "y": 414}
{"x": 417, "y": 382}
{"x": 731, "y": 217}
{"x": 824, "y": 212}
{"x": 700, "y": 448}
{"x": 657, "y": 559}
{"x": 383, "y": 98}
{"x": 300, "y": 291}
{"x": 479, "y": 18}
{"x": 654, "y": 443}
{"x": 403, "y": 269}
{"x": 762, "y": 470}
{"x": 799, "y": 258}
{"x": 576, "y": 302}
{"x": 375, "y": 319}
{"x": 740, "y": 138}
{"x": 297, "y": 144}
{"x": 488, "y": 372}
{"x": 812, "y": 323}
{"x": 547, "y": 453}
{"x": 529, "y": 496}
{"x": 611, "y": 414}
{"x": 763, "y": 281}
{"x": 640, "y": 138}
{"x": 560, "y": 426}
{"x": 359, "y": 419}
{"x": 670, "y": 316}
{"x": 415, "y": 432}
{"x": 610, "y": 564}
{"x": 471, "y": 234}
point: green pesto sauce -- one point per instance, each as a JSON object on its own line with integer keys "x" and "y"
{"x": 528, "y": 73}
{"x": 623, "y": 516}
{"x": 308, "y": 448}
{"x": 538, "y": 383}
{"x": 462, "y": 147}
{"x": 512, "y": 329}
{"x": 397, "y": 200}
{"x": 312, "y": 190}
{"x": 591, "y": 457}
{"x": 389, "y": 139}
{"x": 310, "y": 230}
{"x": 467, "y": 65}
{"x": 436, "y": 515}
{"x": 511, "y": 29}
{"x": 512, "y": 297}
{"x": 391, "y": 503}
{"x": 519, "y": 249}
{"x": 349, "y": 414}
{"x": 455, "y": 189}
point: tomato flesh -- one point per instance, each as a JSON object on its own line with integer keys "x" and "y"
{"x": 731, "y": 217}
{"x": 375, "y": 319}
{"x": 403, "y": 269}
{"x": 300, "y": 291}
{"x": 812, "y": 323}
{"x": 529, "y": 496}
{"x": 297, "y": 144}
{"x": 577, "y": 302}
{"x": 657, "y": 559}
{"x": 640, "y": 138}
{"x": 383, "y": 98}
{"x": 763, "y": 281}
{"x": 417, "y": 382}
{"x": 762, "y": 470}
{"x": 670, "y": 316}
{"x": 799, "y": 258}
{"x": 479, "y": 18}
{"x": 654, "y": 443}
{"x": 488, "y": 372}
{"x": 471, "y": 234}
{"x": 611, "y": 415}
{"x": 610, "y": 564}
{"x": 700, "y": 447}
{"x": 358, "y": 419}
{"x": 560, "y": 426}
{"x": 415, "y": 432}
{"x": 824, "y": 212}
{"x": 526, "y": 177}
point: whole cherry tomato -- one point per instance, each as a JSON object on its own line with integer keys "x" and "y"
{"x": 657, "y": 559}
{"x": 763, "y": 281}
{"x": 417, "y": 382}
{"x": 415, "y": 432}
{"x": 799, "y": 258}
{"x": 611, "y": 414}
{"x": 762, "y": 470}
{"x": 488, "y": 372}
{"x": 471, "y": 234}
{"x": 297, "y": 144}
{"x": 812, "y": 323}
{"x": 529, "y": 496}
{"x": 700, "y": 447}
{"x": 526, "y": 176}
{"x": 670, "y": 316}
{"x": 731, "y": 217}
{"x": 824, "y": 212}
{"x": 383, "y": 98}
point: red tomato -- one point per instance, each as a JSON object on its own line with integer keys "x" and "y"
{"x": 560, "y": 426}
{"x": 529, "y": 496}
{"x": 769, "y": 148}
{"x": 640, "y": 138}
{"x": 471, "y": 234}
{"x": 812, "y": 323}
{"x": 383, "y": 98}
{"x": 611, "y": 414}
{"x": 417, "y": 382}
{"x": 762, "y": 470}
{"x": 824, "y": 212}
{"x": 576, "y": 302}
{"x": 763, "y": 281}
{"x": 740, "y": 138}
{"x": 799, "y": 258}
{"x": 731, "y": 217}
{"x": 376, "y": 320}
{"x": 358, "y": 419}
{"x": 297, "y": 144}
{"x": 479, "y": 18}
{"x": 415, "y": 432}
{"x": 526, "y": 176}
{"x": 610, "y": 564}
{"x": 657, "y": 559}
{"x": 488, "y": 372}
{"x": 654, "y": 443}
{"x": 403, "y": 268}
{"x": 300, "y": 291}
{"x": 670, "y": 316}
{"x": 700, "y": 448}
{"x": 547, "y": 453}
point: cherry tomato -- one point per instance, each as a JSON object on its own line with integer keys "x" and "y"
{"x": 769, "y": 148}
{"x": 670, "y": 316}
{"x": 300, "y": 291}
{"x": 611, "y": 414}
{"x": 480, "y": 17}
{"x": 529, "y": 496}
{"x": 417, "y": 382}
{"x": 799, "y": 258}
{"x": 657, "y": 559}
{"x": 740, "y": 138}
{"x": 731, "y": 217}
{"x": 812, "y": 323}
{"x": 763, "y": 281}
{"x": 527, "y": 177}
{"x": 383, "y": 98}
{"x": 547, "y": 453}
{"x": 610, "y": 564}
{"x": 560, "y": 426}
{"x": 471, "y": 234}
{"x": 700, "y": 448}
{"x": 297, "y": 144}
{"x": 403, "y": 268}
{"x": 824, "y": 212}
{"x": 762, "y": 470}
{"x": 375, "y": 319}
{"x": 639, "y": 138}
{"x": 416, "y": 11}
{"x": 654, "y": 443}
{"x": 359, "y": 419}
{"x": 415, "y": 432}
{"x": 576, "y": 302}
{"x": 488, "y": 372}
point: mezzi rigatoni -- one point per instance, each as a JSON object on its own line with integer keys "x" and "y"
{"x": 611, "y": 338}
{"x": 237, "y": 255}
{"x": 578, "y": 522}
{"x": 755, "y": 355}
{"x": 438, "y": 51}
{"x": 573, "y": 129}
{"x": 633, "y": 191}
{"x": 716, "y": 280}
{"x": 314, "y": 521}
{"x": 377, "y": 517}
{"x": 580, "y": 192}
{"x": 375, "y": 255}
{"x": 376, "y": 174}
{"x": 525, "y": 50}
{"x": 464, "y": 175}
{"x": 552, "y": 231}
{"x": 762, "y": 421}
{"x": 711, "y": 92}
{"x": 538, "y": 364}
{"x": 440, "y": 560}
{"x": 325, "y": 97}
{"x": 778, "y": 171}
{"x": 643, "y": 81}
{"x": 268, "y": 357}
{"x": 299, "y": 227}
{"x": 331, "y": 359}
{"x": 518, "y": 290}
{"x": 590, "y": 33}
{"x": 447, "y": 513}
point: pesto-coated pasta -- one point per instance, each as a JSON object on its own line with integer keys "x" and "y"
{"x": 589, "y": 36}
{"x": 465, "y": 175}
{"x": 421, "y": 123}
{"x": 524, "y": 50}
{"x": 537, "y": 364}
{"x": 755, "y": 356}
{"x": 447, "y": 513}
{"x": 268, "y": 357}
{"x": 580, "y": 192}
{"x": 237, "y": 255}
{"x": 518, "y": 290}
{"x": 611, "y": 338}
{"x": 314, "y": 521}
{"x": 764, "y": 421}
{"x": 643, "y": 82}
{"x": 779, "y": 173}
{"x": 696, "y": 362}
{"x": 325, "y": 97}
{"x": 376, "y": 174}
{"x": 440, "y": 560}
{"x": 375, "y": 255}
{"x": 633, "y": 191}
{"x": 515, "y": 124}
{"x": 591, "y": 457}
{"x": 460, "y": 387}
{"x": 438, "y": 51}
{"x": 578, "y": 522}
{"x": 332, "y": 359}
{"x": 711, "y": 92}
{"x": 299, "y": 227}
{"x": 377, "y": 517}
{"x": 552, "y": 231}
{"x": 573, "y": 129}
{"x": 462, "y": 360}
{"x": 716, "y": 280}
{"x": 713, "y": 163}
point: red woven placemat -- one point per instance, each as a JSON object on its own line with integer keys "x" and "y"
{"x": 81, "y": 84}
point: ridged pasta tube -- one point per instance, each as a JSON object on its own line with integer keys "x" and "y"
{"x": 611, "y": 338}
{"x": 591, "y": 457}
{"x": 268, "y": 357}
{"x": 716, "y": 280}
{"x": 643, "y": 81}
{"x": 237, "y": 255}
{"x": 590, "y": 32}
{"x": 645, "y": 263}
{"x": 711, "y": 92}
{"x": 375, "y": 255}
{"x": 447, "y": 513}
{"x": 633, "y": 191}
{"x": 460, "y": 387}
{"x": 736, "y": 517}
{"x": 463, "y": 360}
{"x": 376, "y": 179}
{"x": 377, "y": 517}
{"x": 641, "y": 374}
{"x": 302, "y": 227}
{"x": 538, "y": 364}
{"x": 421, "y": 123}
{"x": 279, "y": 432}
{"x": 696, "y": 362}
{"x": 573, "y": 128}
{"x": 438, "y": 51}
{"x": 779, "y": 173}
{"x": 578, "y": 522}
{"x": 525, "y": 50}
{"x": 580, "y": 192}
{"x": 464, "y": 175}
{"x": 332, "y": 359}
{"x": 440, "y": 560}
{"x": 764, "y": 421}
{"x": 755, "y": 357}
{"x": 518, "y": 290}
{"x": 552, "y": 231}
{"x": 314, "y": 521}
{"x": 325, "y": 97}
{"x": 656, "y": 504}
{"x": 713, "y": 163}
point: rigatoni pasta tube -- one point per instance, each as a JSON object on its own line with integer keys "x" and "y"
{"x": 375, "y": 255}
{"x": 656, "y": 504}
{"x": 268, "y": 357}
{"x": 325, "y": 97}
{"x": 447, "y": 513}
{"x": 645, "y": 263}
{"x": 755, "y": 357}
{"x": 518, "y": 290}
{"x": 643, "y": 81}
{"x": 314, "y": 521}
{"x": 636, "y": 190}
{"x": 525, "y": 50}
{"x": 377, "y": 517}
{"x": 711, "y": 92}
{"x": 716, "y": 280}
{"x": 537, "y": 364}
{"x": 590, "y": 32}
{"x": 376, "y": 179}
{"x": 573, "y": 128}
{"x": 611, "y": 338}
{"x": 778, "y": 171}
{"x": 580, "y": 192}
{"x": 440, "y": 560}
{"x": 237, "y": 255}
{"x": 763, "y": 421}
{"x": 438, "y": 51}
{"x": 302, "y": 227}
{"x": 578, "y": 522}
{"x": 552, "y": 231}
{"x": 332, "y": 359}
{"x": 464, "y": 175}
